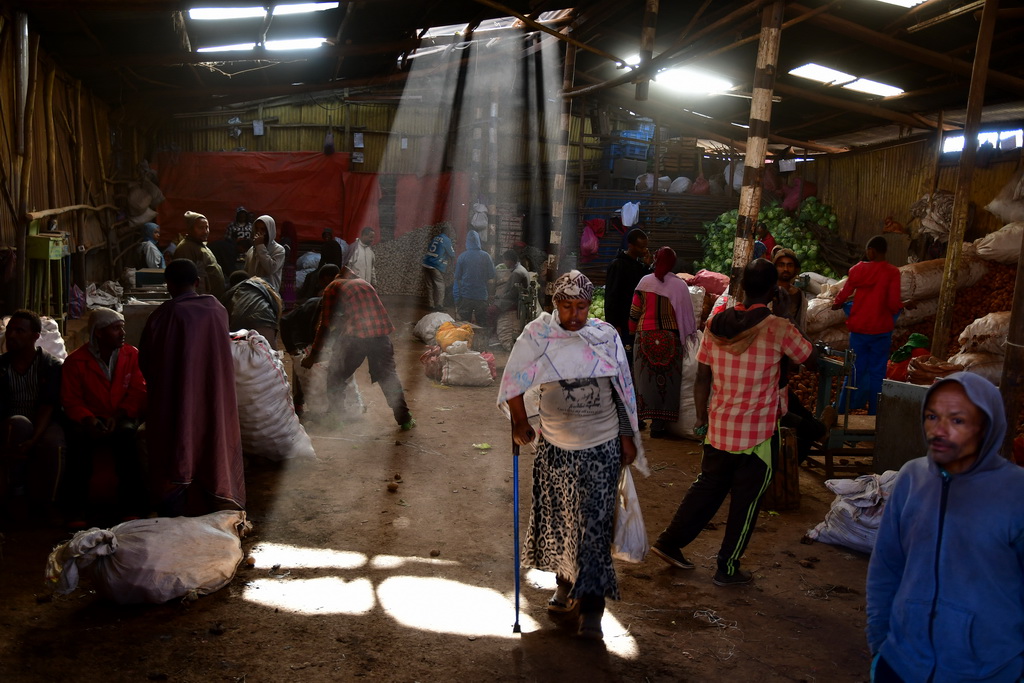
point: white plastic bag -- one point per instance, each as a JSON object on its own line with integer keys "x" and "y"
{"x": 266, "y": 414}
{"x": 153, "y": 560}
{"x": 629, "y": 543}
{"x": 426, "y": 328}
{"x": 630, "y": 213}
{"x": 697, "y": 301}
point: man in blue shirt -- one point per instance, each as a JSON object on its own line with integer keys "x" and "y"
{"x": 435, "y": 265}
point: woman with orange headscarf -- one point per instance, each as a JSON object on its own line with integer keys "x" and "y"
{"x": 662, "y": 319}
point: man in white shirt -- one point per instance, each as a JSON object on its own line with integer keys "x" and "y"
{"x": 360, "y": 259}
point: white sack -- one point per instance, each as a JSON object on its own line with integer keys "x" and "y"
{"x": 820, "y": 315}
{"x": 49, "y": 340}
{"x": 816, "y": 282}
{"x": 508, "y": 329}
{"x": 837, "y": 337}
{"x": 465, "y": 370}
{"x": 1009, "y": 203}
{"x": 266, "y": 414}
{"x": 831, "y": 290}
{"x": 697, "y": 301}
{"x": 687, "y": 408}
{"x": 1003, "y": 245}
{"x": 319, "y": 401}
{"x": 679, "y": 185}
{"x": 923, "y": 280}
{"x": 925, "y": 309}
{"x": 426, "y": 328}
{"x": 987, "y": 334}
{"x": 153, "y": 560}
{"x": 856, "y": 511}
{"x": 988, "y": 365}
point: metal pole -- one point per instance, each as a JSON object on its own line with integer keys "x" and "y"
{"x": 757, "y": 140}
{"x": 515, "y": 527}
{"x": 647, "y": 46}
{"x": 965, "y": 175}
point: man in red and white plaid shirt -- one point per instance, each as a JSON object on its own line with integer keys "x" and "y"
{"x": 739, "y": 364}
{"x": 355, "y": 321}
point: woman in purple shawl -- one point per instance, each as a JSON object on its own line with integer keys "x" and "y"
{"x": 662, "y": 319}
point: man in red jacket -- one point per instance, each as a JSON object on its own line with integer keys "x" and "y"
{"x": 878, "y": 302}
{"x": 104, "y": 397}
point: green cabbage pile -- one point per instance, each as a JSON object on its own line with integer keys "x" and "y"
{"x": 789, "y": 230}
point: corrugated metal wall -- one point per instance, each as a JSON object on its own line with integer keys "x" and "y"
{"x": 866, "y": 187}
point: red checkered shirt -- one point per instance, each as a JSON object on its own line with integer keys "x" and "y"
{"x": 353, "y": 306}
{"x": 744, "y": 409}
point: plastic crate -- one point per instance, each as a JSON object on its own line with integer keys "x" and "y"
{"x": 627, "y": 150}
{"x": 636, "y": 134}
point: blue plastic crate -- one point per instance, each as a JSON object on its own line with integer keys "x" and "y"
{"x": 636, "y": 134}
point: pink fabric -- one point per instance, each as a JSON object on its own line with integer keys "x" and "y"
{"x": 745, "y": 397}
{"x": 677, "y": 293}
{"x": 712, "y": 282}
{"x": 192, "y": 430}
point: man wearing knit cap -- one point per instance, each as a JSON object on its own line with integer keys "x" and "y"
{"x": 789, "y": 301}
{"x": 193, "y": 248}
{"x": 104, "y": 396}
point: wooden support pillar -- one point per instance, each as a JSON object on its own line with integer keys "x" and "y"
{"x": 492, "y": 167}
{"x": 51, "y": 138}
{"x": 757, "y": 141}
{"x": 1011, "y": 386}
{"x": 24, "y": 173}
{"x": 647, "y": 46}
{"x": 559, "y": 196}
{"x": 965, "y": 175}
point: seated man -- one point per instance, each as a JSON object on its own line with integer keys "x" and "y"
{"x": 104, "y": 396}
{"x": 31, "y": 436}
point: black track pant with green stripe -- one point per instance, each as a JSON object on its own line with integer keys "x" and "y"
{"x": 745, "y": 478}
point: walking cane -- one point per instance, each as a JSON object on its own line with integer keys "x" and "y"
{"x": 515, "y": 526}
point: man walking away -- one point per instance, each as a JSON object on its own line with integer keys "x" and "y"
{"x": 739, "y": 364}
{"x": 473, "y": 271}
{"x": 945, "y": 592}
{"x": 875, "y": 307}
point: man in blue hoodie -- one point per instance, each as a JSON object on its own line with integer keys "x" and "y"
{"x": 473, "y": 270}
{"x": 945, "y": 591}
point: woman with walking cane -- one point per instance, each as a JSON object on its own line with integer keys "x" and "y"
{"x": 574, "y": 373}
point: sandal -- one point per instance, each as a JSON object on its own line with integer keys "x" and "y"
{"x": 555, "y": 604}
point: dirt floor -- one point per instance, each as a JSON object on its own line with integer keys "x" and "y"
{"x": 352, "y": 580}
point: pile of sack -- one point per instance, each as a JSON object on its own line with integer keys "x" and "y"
{"x": 856, "y": 512}
{"x": 983, "y": 346}
{"x": 449, "y": 357}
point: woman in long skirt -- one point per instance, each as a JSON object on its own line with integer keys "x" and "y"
{"x": 588, "y": 432}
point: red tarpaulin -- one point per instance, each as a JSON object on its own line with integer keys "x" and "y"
{"x": 306, "y": 188}
{"x": 362, "y": 202}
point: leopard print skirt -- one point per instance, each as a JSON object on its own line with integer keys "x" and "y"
{"x": 573, "y": 514}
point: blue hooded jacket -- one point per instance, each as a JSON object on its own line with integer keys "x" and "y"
{"x": 439, "y": 253}
{"x": 945, "y": 591}
{"x": 473, "y": 270}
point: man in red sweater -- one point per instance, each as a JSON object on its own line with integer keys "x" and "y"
{"x": 104, "y": 396}
{"x": 875, "y": 308}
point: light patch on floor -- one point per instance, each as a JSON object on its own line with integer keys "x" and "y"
{"x": 324, "y": 595}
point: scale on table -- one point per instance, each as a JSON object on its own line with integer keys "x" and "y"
{"x": 847, "y": 433}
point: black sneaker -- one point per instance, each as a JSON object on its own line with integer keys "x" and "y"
{"x": 738, "y": 579}
{"x": 672, "y": 555}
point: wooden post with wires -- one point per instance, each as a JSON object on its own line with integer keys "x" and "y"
{"x": 965, "y": 176}
{"x": 643, "y": 86}
{"x": 757, "y": 141}
{"x": 559, "y": 196}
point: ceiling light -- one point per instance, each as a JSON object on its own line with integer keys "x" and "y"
{"x": 304, "y": 8}
{"x": 218, "y": 13}
{"x": 226, "y": 48}
{"x": 822, "y": 74}
{"x": 903, "y": 3}
{"x": 222, "y": 13}
{"x": 690, "y": 81}
{"x": 874, "y": 87}
{"x": 295, "y": 44}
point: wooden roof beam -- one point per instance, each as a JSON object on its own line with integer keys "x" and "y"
{"x": 844, "y": 104}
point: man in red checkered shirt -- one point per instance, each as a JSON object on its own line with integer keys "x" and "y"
{"x": 355, "y": 322}
{"x": 739, "y": 363}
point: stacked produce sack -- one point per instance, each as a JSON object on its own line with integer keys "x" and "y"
{"x": 266, "y": 415}
{"x": 398, "y": 263}
{"x": 983, "y": 346}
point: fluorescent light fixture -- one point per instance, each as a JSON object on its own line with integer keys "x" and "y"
{"x": 903, "y": 3}
{"x": 873, "y": 87}
{"x": 295, "y": 44}
{"x": 739, "y": 125}
{"x": 692, "y": 81}
{"x": 303, "y": 8}
{"x": 822, "y": 74}
{"x": 227, "y": 48}
{"x": 697, "y": 113}
{"x": 223, "y": 13}
{"x": 220, "y": 13}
